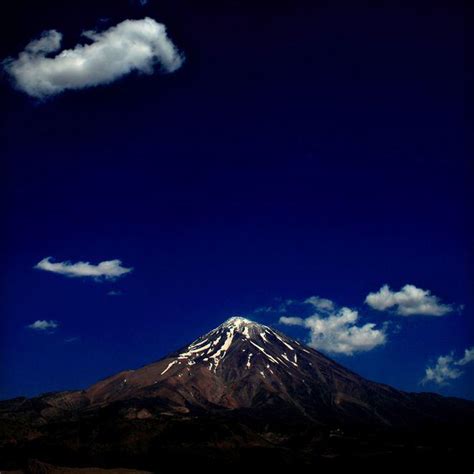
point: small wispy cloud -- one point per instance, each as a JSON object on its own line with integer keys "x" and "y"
{"x": 43, "y": 325}
{"x": 321, "y": 304}
{"x": 132, "y": 45}
{"x": 279, "y": 306}
{"x": 468, "y": 357}
{"x": 114, "y": 293}
{"x": 447, "y": 368}
{"x": 70, "y": 340}
{"x": 409, "y": 301}
{"x": 107, "y": 270}
{"x": 337, "y": 330}
{"x": 292, "y": 321}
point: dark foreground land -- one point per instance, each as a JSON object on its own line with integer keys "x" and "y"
{"x": 220, "y": 444}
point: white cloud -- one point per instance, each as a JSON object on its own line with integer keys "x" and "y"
{"x": 468, "y": 357}
{"x": 107, "y": 270}
{"x": 292, "y": 321}
{"x": 264, "y": 309}
{"x": 43, "y": 325}
{"x": 279, "y": 306}
{"x": 322, "y": 304}
{"x": 337, "y": 331}
{"x": 114, "y": 293}
{"x": 132, "y": 45}
{"x": 447, "y": 368}
{"x": 409, "y": 301}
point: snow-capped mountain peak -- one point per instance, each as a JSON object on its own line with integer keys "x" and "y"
{"x": 238, "y": 323}
{"x": 241, "y": 343}
{"x": 229, "y": 366}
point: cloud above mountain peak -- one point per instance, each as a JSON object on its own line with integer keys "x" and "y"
{"x": 409, "y": 301}
{"x": 337, "y": 330}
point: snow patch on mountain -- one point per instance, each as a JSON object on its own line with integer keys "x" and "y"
{"x": 213, "y": 347}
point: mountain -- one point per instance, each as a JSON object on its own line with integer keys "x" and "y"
{"x": 245, "y": 365}
{"x": 241, "y": 388}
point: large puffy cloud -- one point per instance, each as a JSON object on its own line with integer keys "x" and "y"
{"x": 336, "y": 331}
{"x": 43, "y": 325}
{"x": 108, "y": 270}
{"x": 409, "y": 301}
{"x": 447, "y": 368}
{"x": 132, "y": 45}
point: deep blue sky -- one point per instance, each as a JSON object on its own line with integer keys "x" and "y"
{"x": 302, "y": 150}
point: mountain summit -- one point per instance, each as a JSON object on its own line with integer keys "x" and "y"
{"x": 242, "y": 385}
